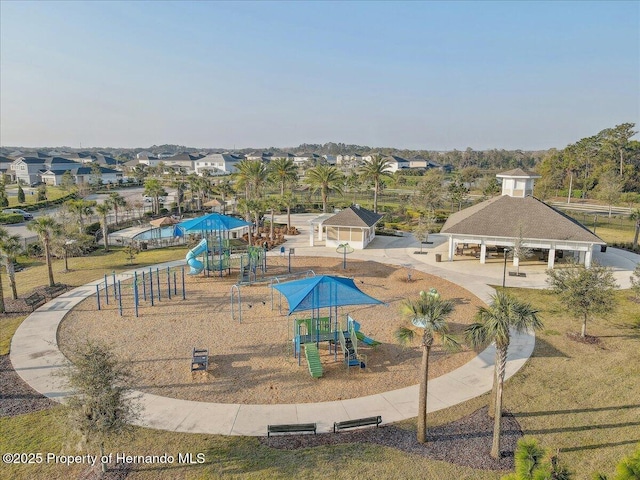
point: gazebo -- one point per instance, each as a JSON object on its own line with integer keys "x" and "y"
{"x": 354, "y": 225}
{"x": 518, "y": 217}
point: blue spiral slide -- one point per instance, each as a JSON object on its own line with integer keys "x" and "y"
{"x": 196, "y": 265}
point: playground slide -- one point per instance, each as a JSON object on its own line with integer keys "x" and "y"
{"x": 362, "y": 337}
{"x": 313, "y": 359}
{"x": 196, "y": 265}
{"x": 366, "y": 340}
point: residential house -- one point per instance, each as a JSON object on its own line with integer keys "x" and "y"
{"x": 27, "y": 169}
{"x": 217, "y": 164}
{"x": 8, "y": 174}
{"x": 396, "y": 163}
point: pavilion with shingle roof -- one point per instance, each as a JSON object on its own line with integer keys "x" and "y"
{"x": 354, "y": 225}
{"x": 515, "y": 217}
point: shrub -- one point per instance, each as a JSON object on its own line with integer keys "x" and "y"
{"x": 92, "y": 228}
{"x": 34, "y": 250}
{"x": 10, "y": 218}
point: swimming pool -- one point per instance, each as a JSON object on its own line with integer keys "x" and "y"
{"x": 164, "y": 232}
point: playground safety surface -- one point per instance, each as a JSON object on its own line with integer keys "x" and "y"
{"x": 252, "y": 362}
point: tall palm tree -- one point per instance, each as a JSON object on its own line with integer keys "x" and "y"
{"x": 252, "y": 177}
{"x": 258, "y": 178}
{"x": 272, "y": 204}
{"x": 289, "y": 200}
{"x": 224, "y": 189}
{"x": 116, "y": 200}
{"x": 374, "y": 171}
{"x": 282, "y": 171}
{"x": 200, "y": 186}
{"x": 10, "y": 248}
{"x": 325, "y": 178}
{"x": 4, "y": 234}
{"x": 495, "y": 324}
{"x": 103, "y": 210}
{"x": 47, "y": 229}
{"x": 154, "y": 189}
{"x": 81, "y": 209}
{"x": 429, "y": 313}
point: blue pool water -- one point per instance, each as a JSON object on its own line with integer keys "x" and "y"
{"x": 164, "y": 232}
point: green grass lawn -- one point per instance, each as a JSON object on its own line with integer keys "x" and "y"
{"x": 53, "y": 193}
{"x": 88, "y": 268}
{"x": 579, "y": 398}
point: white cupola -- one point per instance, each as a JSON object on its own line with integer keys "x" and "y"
{"x": 517, "y": 183}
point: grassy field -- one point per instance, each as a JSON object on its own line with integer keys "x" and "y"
{"x": 579, "y": 398}
{"x": 88, "y": 268}
{"x": 53, "y": 193}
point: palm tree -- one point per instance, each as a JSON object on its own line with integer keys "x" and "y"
{"x": 199, "y": 187}
{"x": 4, "y": 235}
{"x": 180, "y": 185}
{"x": 252, "y": 177}
{"x": 326, "y": 179}
{"x": 224, "y": 189}
{"x": 10, "y": 248}
{"x": 81, "y": 209}
{"x": 47, "y": 229}
{"x": 282, "y": 171}
{"x": 375, "y": 170}
{"x": 429, "y": 312}
{"x": 103, "y": 210}
{"x": 495, "y": 324}
{"x": 289, "y": 200}
{"x": 273, "y": 204}
{"x": 116, "y": 200}
{"x": 153, "y": 188}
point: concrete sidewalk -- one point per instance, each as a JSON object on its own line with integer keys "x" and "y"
{"x": 36, "y": 358}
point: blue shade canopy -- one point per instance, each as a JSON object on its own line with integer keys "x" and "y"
{"x": 323, "y": 291}
{"x": 212, "y": 222}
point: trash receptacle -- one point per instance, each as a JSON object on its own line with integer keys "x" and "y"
{"x": 143, "y": 245}
{"x": 603, "y": 248}
{"x": 438, "y": 257}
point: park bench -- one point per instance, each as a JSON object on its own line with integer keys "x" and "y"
{"x": 54, "y": 291}
{"x": 359, "y": 422}
{"x": 292, "y": 428}
{"x": 34, "y": 300}
{"x": 200, "y": 359}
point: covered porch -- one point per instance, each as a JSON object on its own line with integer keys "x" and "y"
{"x": 485, "y": 248}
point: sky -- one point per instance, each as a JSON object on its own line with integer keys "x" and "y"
{"x": 409, "y": 75}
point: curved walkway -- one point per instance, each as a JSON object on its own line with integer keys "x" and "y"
{"x": 37, "y": 359}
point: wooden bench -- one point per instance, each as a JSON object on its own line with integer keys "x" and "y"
{"x": 359, "y": 422}
{"x": 34, "y": 300}
{"x": 292, "y": 428}
{"x": 54, "y": 291}
{"x": 200, "y": 359}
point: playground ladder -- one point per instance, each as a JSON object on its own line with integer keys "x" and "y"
{"x": 313, "y": 359}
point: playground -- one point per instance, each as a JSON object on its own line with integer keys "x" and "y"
{"x": 252, "y": 361}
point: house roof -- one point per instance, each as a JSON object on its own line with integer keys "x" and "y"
{"x": 354, "y": 217}
{"x": 518, "y": 172}
{"x": 503, "y": 216}
{"x": 87, "y": 170}
{"x": 395, "y": 158}
{"x": 31, "y": 160}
